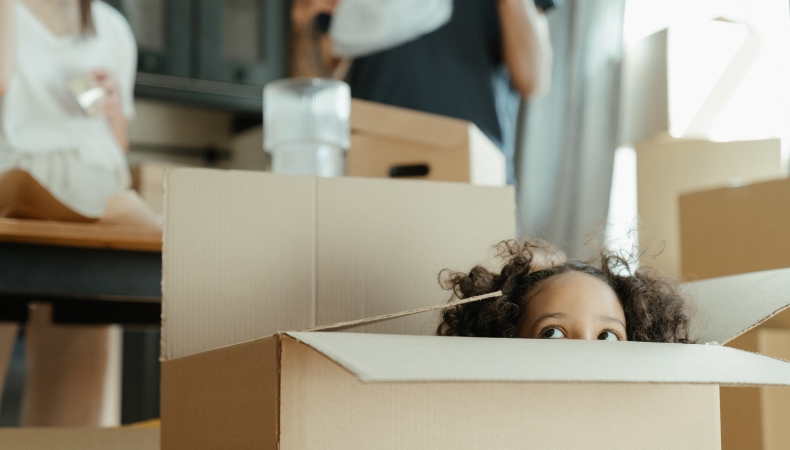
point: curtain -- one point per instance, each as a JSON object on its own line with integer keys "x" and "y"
{"x": 567, "y": 139}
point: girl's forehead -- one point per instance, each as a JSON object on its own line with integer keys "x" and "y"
{"x": 574, "y": 279}
{"x": 574, "y": 290}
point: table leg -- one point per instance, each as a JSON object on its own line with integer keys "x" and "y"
{"x": 8, "y": 333}
{"x": 73, "y": 373}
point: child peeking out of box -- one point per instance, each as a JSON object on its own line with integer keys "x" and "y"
{"x": 546, "y": 297}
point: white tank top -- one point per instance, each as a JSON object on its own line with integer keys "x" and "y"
{"x": 37, "y": 114}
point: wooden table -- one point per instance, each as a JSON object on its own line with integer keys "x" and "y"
{"x": 92, "y": 273}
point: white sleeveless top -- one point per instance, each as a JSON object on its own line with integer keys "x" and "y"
{"x": 38, "y": 115}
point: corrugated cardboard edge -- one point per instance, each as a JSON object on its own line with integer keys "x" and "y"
{"x": 371, "y": 320}
{"x": 163, "y": 356}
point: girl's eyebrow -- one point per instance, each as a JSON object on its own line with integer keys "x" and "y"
{"x": 611, "y": 319}
{"x": 556, "y": 315}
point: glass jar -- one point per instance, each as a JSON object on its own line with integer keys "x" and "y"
{"x": 306, "y": 125}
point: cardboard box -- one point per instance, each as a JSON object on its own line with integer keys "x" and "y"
{"x": 757, "y": 418}
{"x": 246, "y": 254}
{"x": 386, "y": 139}
{"x": 79, "y": 438}
{"x": 311, "y": 390}
{"x": 733, "y": 230}
{"x": 666, "y": 170}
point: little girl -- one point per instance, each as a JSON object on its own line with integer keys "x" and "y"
{"x": 546, "y": 297}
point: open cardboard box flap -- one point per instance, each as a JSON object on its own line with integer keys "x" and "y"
{"x": 727, "y": 307}
{"x": 398, "y": 358}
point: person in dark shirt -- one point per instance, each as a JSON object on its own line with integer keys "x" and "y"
{"x": 475, "y": 67}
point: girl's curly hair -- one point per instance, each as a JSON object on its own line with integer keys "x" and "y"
{"x": 655, "y": 310}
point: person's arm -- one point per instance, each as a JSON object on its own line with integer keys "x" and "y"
{"x": 7, "y": 42}
{"x": 311, "y": 53}
{"x": 113, "y": 107}
{"x": 526, "y": 47}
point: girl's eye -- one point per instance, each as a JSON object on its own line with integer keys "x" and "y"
{"x": 552, "y": 333}
{"x": 608, "y": 336}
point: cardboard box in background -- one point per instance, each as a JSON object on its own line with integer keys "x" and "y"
{"x": 736, "y": 230}
{"x": 385, "y": 137}
{"x": 319, "y": 390}
{"x": 757, "y": 418}
{"x": 666, "y": 170}
{"x": 247, "y": 254}
{"x": 733, "y": 230}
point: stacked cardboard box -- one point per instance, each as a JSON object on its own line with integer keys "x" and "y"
{"x": 674, "y": 108}
{"x": 736, "y": 230}
{"x": 248, "y": 254}
{"x": 387, "y": 141}
{"x": 667, "y": 169}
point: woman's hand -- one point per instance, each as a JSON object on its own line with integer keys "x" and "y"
{"x": 112, "y": 106}
{"x": 526, "y": 46}
{"x": 311, "y": 52}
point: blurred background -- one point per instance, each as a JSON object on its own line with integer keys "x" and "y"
{"x": 649, "y": 100}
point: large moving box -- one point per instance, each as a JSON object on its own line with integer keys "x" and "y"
{"x": 666, "y": 170}
{"x": 247, "y": 254}
{"x": 318, "y": 390}
{"x": 396, "y": 142}
{"x": 736, "y": 230}
{"x": 732, "y": 230}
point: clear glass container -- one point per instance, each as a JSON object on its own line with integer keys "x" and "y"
{"x": 306, "y": 125}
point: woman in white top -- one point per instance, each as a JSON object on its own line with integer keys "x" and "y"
{"x": 43, "y": 130}
{"x": 80, "y": 160}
